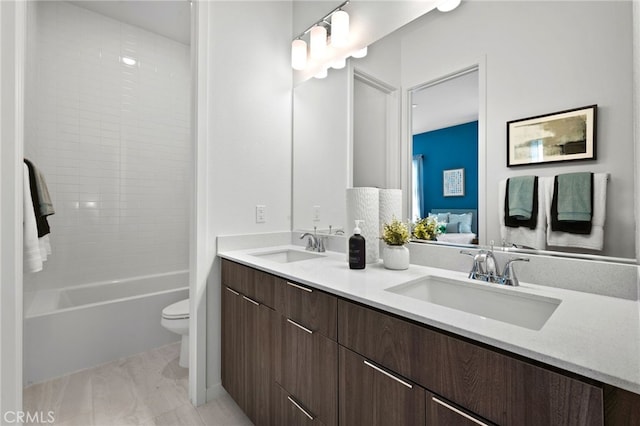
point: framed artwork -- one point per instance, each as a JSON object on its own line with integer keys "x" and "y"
{"x": 560, "y": 136}
{"x": 453, "y": 183}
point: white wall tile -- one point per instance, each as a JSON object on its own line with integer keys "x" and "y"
{"x": 113, "y": 143}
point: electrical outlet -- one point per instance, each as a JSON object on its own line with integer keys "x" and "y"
{"x": 316, "y": 213}
{"x": 260, "y": 213}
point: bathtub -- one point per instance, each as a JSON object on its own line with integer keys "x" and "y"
{"x": 78, "y": 327}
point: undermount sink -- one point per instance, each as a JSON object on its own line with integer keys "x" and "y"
{"x": 502, "y": 304}
{"x": 288, "y": 255}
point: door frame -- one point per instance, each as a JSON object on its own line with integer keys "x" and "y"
{"x": 480, "y": 65}
{"x": 392, "y": 137}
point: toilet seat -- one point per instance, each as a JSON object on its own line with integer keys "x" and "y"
{"x": 178, "y": 310}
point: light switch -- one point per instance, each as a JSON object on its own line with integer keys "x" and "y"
{"x": 260, "y": 213}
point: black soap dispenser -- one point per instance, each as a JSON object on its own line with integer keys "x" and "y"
{"x": 357, "y": 253}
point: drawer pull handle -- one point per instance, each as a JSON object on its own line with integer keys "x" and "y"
{"x": 250, "y": 300}
{"x": 306, "y": 413}
{"x": 455, "y": 410}
{"x": 308, "y": 290}
{"x": 409, "y": 385}
{"x": 233, "y": 291}
{"x": 301, "y": 327}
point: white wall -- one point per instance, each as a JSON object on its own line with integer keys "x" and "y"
{"x": 541, "y": 59}
{"x": 249, "y": 128}
{"x": 12, "y": 33}
{"x": 636, "y": 114}
{"x": 113, "y": 141}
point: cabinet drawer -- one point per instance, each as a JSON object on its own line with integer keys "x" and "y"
{"x": 314, "y": 309}
{"x": 441, "y": 412}
{"x": 372, "y": 396}
{"x": 254, "y": 284}
{"x": 291, "y": 412}
{"x": 500, "y": 388}
{"x": 308, "y": 369}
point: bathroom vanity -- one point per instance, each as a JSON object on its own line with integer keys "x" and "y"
{"x": 306, "y": 341}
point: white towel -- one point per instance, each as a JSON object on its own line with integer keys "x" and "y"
{"x": 45, "y": 247}
{"x": 32, "y": 258}
{"x": 593, "y": 241}
{"x": 523, "y": 236}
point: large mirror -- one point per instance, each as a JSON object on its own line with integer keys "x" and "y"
{"x": 533, "y": 58}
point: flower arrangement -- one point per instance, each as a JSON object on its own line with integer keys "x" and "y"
{"x": 395, "y": 233}
{"x": 427, "y": 228}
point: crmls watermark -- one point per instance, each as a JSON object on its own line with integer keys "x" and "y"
{"x": 39, "y": 417}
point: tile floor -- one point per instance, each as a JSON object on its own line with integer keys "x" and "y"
{"x": 145, "y": 389}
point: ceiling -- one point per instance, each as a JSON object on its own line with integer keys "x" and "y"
{"x": 454, "y": 101}
{"x": 171, "y": 19}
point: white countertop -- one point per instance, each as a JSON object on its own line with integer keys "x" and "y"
{"x": 591, "y": 335}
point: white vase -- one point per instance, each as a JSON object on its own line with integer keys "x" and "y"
{"x": 395, "y": 257}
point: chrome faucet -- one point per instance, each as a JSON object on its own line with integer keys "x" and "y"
{"x": 509, "y": 275}
{"x": 485, "y": 268}
{"x": 315, "y": 242}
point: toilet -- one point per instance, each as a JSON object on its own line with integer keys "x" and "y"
{"x": 175, "y": 317}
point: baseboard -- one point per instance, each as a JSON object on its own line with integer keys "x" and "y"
{"x": 215, "y": 391}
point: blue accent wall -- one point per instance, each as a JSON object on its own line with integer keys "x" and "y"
{"x": 449, "y": 148}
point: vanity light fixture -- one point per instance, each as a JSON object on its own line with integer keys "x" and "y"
{"x": 340, "y": 28}
{"x": 328, "y": 40}
{"x": 448, "y": 5}
{"x": 338, "y": 64}
{"x": 299, "y": 54}
{"x": 322, "y": 73}
{"x": 360, "y": 53}
{"x": 318, "y": 41}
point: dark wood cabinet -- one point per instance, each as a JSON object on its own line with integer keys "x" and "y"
{"x": 256, "y": 285}
{"x": 503, "y": 389}
{"x": 441, "y": 412}
{"x": 621, "y": 407}
{"x": 371, "y": 395}
{"x": 293, "y": 355}
{"x": 250, "y": 336}
{"x": 314, "y": 309}
{"x": 291, "y": 412}
{"x": 232, "y": 344}
{"x": 267, "y": 357}
{"x": 308, "y": 369}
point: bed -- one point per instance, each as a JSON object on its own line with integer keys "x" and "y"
{"x": 464, "y": 235}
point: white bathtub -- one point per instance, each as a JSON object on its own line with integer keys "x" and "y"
{"x": 73, "y": 328}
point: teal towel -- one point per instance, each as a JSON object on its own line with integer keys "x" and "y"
{"x": 574, "y": 197}
{"x": 521, "y": 197}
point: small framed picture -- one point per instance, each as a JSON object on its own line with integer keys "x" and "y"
{"x": 453, "y": 183}
{"x": 560, "y": 136}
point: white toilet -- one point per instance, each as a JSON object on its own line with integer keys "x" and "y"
{"x": 175, "y": 317}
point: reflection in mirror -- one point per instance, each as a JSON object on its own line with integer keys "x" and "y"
{"x": 375, "y": 142}
{"x": 535, "y": 71}
{"x": 526, "y": 69}
{"x": 320, "y": 152}
{"x": 444, "y": 123}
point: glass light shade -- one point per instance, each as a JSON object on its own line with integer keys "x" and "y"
{"x": 318, "y": 41}
{"x": 298, "y": 54}
{"x": 322, "y": 73}
{"x": 448, "y": 5}
{"x": 340, "y": 29}
{"x": 338, "y": 64}
{"x": 360, "y": 53}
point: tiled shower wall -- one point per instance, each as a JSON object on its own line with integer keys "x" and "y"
{"x": 113, "y": 142}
